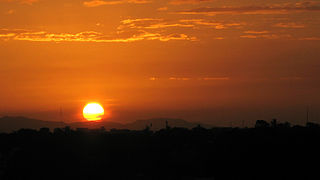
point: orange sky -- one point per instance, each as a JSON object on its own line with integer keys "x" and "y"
{"x": 149, "y": 58}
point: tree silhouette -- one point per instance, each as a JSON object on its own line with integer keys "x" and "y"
{"x": 170, "y": 153}
{"x": 262, "y": 124}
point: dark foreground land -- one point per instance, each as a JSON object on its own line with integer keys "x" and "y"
{"x": 172, "y": 153}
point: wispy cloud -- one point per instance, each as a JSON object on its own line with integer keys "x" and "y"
{"x": 162, "y": 9}
{"x": 215, "y": 25}
{"x": 21, "y": 1}
{"x": 215, "y": 78}
{"x": 174, "y": 78}
{"x": 88, "y": 36}
{"x": 152, "y": 23}
{"x": 270, "y": 9}
{"x": 179, "y": 78}
{"x": 95, "y": 3}
{"x": 153, "y": 78}
{"x": 179, "y": 2}
{"x": 149, "y": 23}
{"x": 310, "y": 38}
{"x": 264, "y": 35}
{"x": 256, "y": 32}
{"x": 289, "y": 25}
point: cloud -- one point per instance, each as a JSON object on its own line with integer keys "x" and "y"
{"x": 96, "y": 3}
{"x": 153, "y": 23}
{"x": 149, "y": 23}
{"x": 264, "y": 35}
{"x": 12, "y": 32}
{"x": 199, "y": 79}
{"x": 310, "y": 39}
{"x": 256, "y": 32}
{"x": 153, "y": 78}
{"x": 179, "y": 78}
{"x": 89, "y": 36}
{"x": 212, "y": 24}
{"x": 162, "y": 9}
{"x": 174, "y": 78}
{"x": 8, "y": 35}
{"x": 215, "y": 25}
{"x": 173, "y": 37}
{"x": 215, "y": 78}
{"x": 270, "y": 9}
{"x": 179, "y": 2}
{"x": 289, "y": 25}
{"x": 21, "y": 1}
{"x": 249, "y": 36}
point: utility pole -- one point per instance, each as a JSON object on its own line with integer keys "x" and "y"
{"x": 307, "y": 115}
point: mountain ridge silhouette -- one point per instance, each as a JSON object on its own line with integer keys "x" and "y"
{"x": 11, "y": 123}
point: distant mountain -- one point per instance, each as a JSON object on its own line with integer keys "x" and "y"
{"x": 9, "y": 124}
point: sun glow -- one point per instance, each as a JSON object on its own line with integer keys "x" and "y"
{"x": 93, "y": 112}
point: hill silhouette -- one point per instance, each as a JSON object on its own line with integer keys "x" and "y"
{"x": 9, "y": 124}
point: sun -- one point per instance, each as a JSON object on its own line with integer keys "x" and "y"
{"x": 93, "y": 111}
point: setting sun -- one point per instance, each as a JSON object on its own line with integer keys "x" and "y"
{"x": 93, "y": 112}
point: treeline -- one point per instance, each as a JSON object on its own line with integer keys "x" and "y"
{"x": 268, "y": 151}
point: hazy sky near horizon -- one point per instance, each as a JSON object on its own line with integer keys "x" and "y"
{"x": 180, "y": 56}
